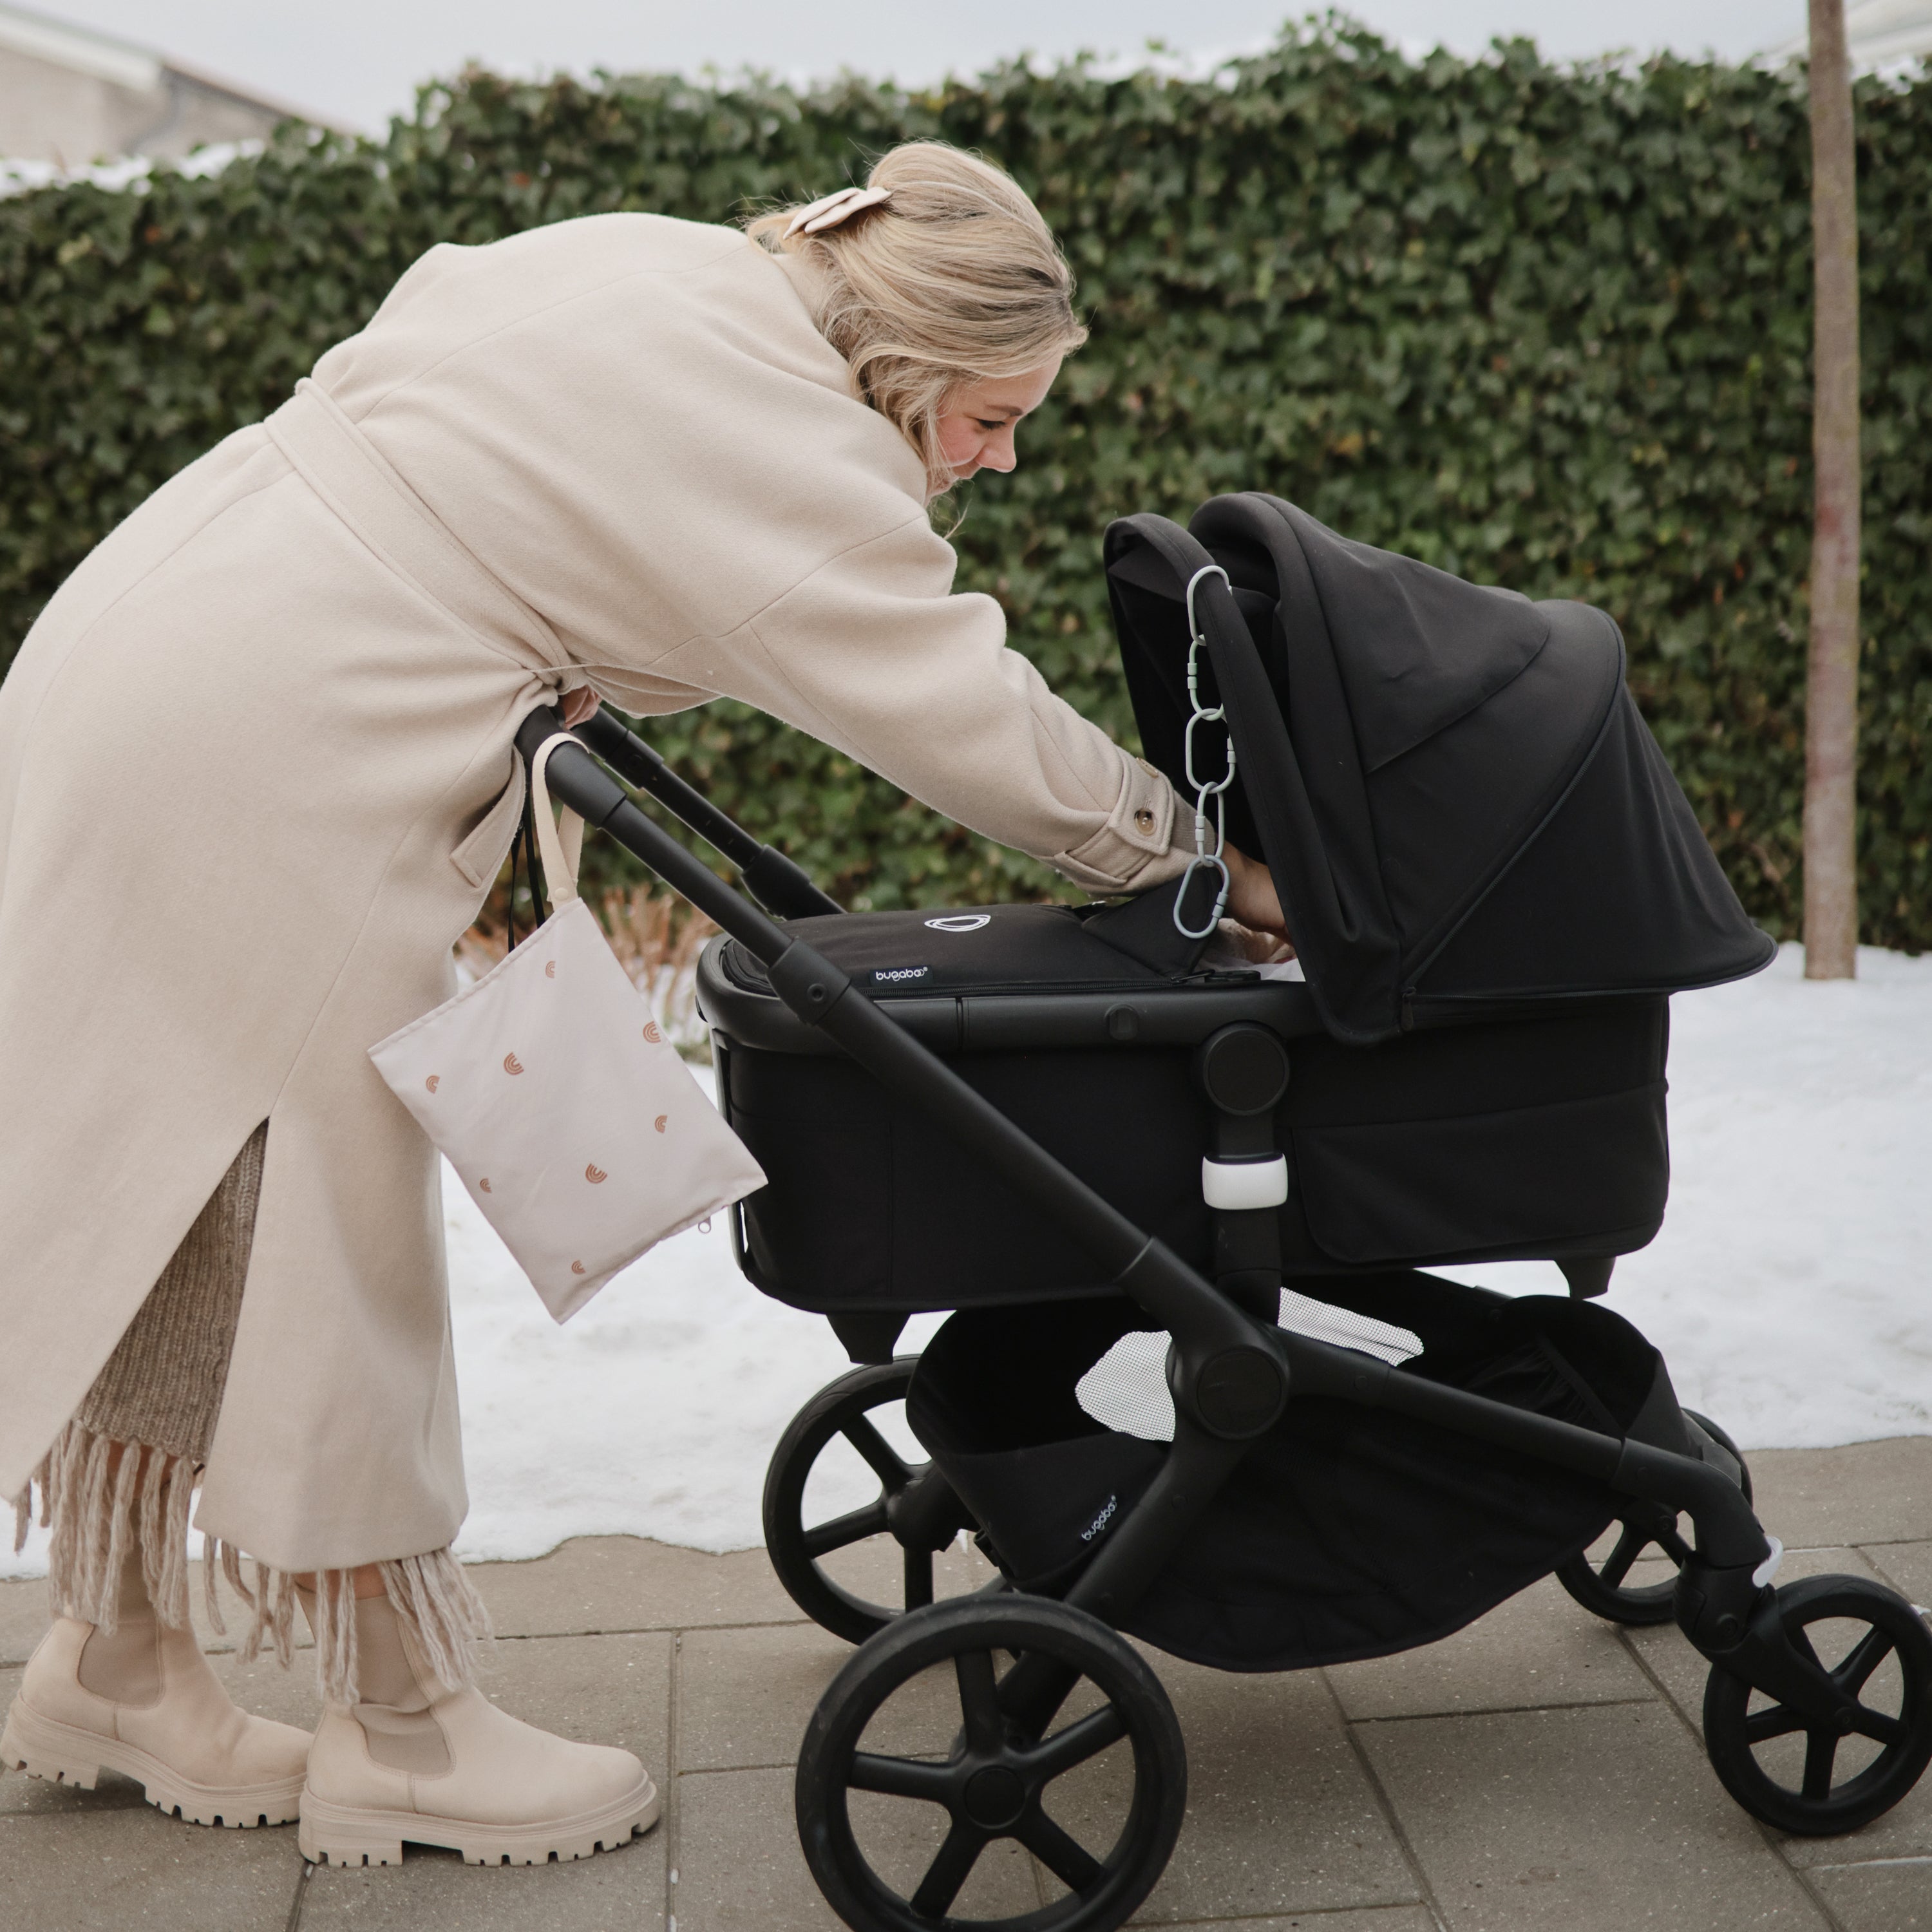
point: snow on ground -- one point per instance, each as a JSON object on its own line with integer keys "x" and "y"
{"x": 653, "y": 1411}
{"x": 1788, "y": 1290}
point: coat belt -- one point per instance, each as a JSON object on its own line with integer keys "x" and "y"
{"x": 353, "y": 478}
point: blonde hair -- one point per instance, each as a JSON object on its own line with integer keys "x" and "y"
{"x": 955, "y": 279}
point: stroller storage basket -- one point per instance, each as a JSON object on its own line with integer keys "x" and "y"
{"x": 1539, "y": 1135}
{"x": 1347, "y": 1532}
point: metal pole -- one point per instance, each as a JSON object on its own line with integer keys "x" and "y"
{"x": 1831, "y": 685}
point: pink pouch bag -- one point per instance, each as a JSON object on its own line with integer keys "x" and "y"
{"x": 578, "y": 1131}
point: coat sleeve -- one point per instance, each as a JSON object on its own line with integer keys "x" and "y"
{"x": 873, "y": 654}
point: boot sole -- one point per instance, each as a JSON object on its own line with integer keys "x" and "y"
{"x": 62, "y": 1754}
{"x": 344, "y": 1835}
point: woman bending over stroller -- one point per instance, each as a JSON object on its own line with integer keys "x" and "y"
{"x": 621, "y": 456}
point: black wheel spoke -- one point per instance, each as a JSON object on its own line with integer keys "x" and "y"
{"x": 1673, "y": 1546}
{"x": 1780, "y": 1721}
{"x": 1064, "y": 1856}
{"x": 990, "y": 1782}
{"x": 1629, "y": 1547}
{"x": 1086, "y": 1737}
{"x": 1834, "y": 1794}
{"x": 980, "y": 1700}
{"x": 900, "y": 1778}
{"x": 878, "y": 1452}
{"x": 918, "y": 1578}
{"x": 1875, "y": 1724}
{"x": 949, "y": 1871}
{"x": 1865, "y": 1656}
{"x": 1821, "y": 1751}
{"x": 842, "y": 1530}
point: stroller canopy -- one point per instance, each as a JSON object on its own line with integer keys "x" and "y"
{"x": 1454, "y": 788}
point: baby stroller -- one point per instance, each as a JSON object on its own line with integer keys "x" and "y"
{"x": 1193, "y": 1388}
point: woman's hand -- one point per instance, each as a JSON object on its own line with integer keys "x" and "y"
{"x": 578, "y": 705}
{"x": 1253, "y": 901}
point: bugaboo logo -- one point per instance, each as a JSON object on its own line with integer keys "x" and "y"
{"x": 884, "y": 975}
{"x": 961, "y": 921}
{"x": 1101, "y": 1521}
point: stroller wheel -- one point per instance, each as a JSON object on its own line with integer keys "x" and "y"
{"x": 927, "y": 1777}
{"x": 1595, "y": 1576}
{"x": 1817, "y": 1780}
{"x": 914, "y": 1517}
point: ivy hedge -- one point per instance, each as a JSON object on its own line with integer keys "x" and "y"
{"x": 1545, "y": 327}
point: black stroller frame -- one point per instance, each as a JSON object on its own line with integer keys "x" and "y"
{"x": 1231, "y": 1372}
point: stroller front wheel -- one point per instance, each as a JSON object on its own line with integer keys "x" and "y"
{"x": 925, "y": 1776}
{"x": 1596, "y": 1580}
{"x": 916, "y": 1514}
{"x": 1819, "y": 1779}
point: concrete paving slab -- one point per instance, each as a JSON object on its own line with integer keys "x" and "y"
{"x": 598, "y": 1690}
{"x": 621, "y": 1891}
{"x": 266, "y": 1690}
{"x": 110, "y": 1870}
{"x": 1906, "y": 1567}
{"x": 1579, "y": 1820}
{"x": 1540, "y": 1648}
{"x": 24, "y": 1797}
{"x": 1605, "y": 1814}
{"x": 745, "y": 1696}
{"x": 1865, "y": 1492}
{"x": 593, "y": 1584}
{"x": 740, "y": 1869}
{"x": 1280, "y": 1817}
{"x": 1372, "y": 1918}
{"x": 1896, "y": 1896}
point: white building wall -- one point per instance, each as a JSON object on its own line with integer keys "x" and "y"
{"x": 68, "y": 98}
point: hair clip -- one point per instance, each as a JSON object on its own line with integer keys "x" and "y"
{"x": 830, "y": 210}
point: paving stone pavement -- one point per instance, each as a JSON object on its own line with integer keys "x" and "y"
{"x": 1540, "y": 1769}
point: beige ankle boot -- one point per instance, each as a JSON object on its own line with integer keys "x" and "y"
{"x": 140, "y": 1699}
{"x": 414, "y": 1762}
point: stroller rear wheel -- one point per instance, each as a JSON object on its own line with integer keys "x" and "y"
{"x": 925, "y": 1775}
{"x": 1597, "y": 1581}
{"x": 915, "y": 1507}
{"x": 1816, "y": 1780}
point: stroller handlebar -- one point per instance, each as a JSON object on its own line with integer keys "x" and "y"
{"x": 1232, "y": 1373}
{"x": 779, "y": 885}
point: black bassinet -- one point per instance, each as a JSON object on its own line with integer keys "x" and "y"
{"x": 1493, "y": 881}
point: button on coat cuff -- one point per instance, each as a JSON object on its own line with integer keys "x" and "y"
{"x": 1136, "y": 848}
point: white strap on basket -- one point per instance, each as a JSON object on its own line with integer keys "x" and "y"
{"x": 560, "y": 841}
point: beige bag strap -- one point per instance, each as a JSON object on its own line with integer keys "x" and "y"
{"x": 561, "y": 842}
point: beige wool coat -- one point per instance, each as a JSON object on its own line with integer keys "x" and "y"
{"x": 256, "y": 776}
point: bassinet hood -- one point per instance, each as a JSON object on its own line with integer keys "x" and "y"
{"x": 1452, "y": 785}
